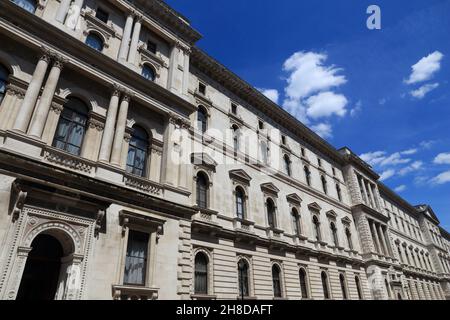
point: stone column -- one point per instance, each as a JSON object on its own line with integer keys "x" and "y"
{"x": 124, "y": 45}
{"x": 29, "y": 101}
{"x": 8, "y": 105}
{"x": 187, "y": 53}
{"x": 172, "y": 67}
{"x": 375, "y": 236}
{"x": 390, "y": 251}
{"x": 383, "y": 240}
{"x": 152, "y": 260}
{"x": 365, "y": 195}
{"x": 108, "y": 133}
{"x": 42, "y": 109}
{"x": 62, "y": 10}
{"x": 170, "y": 154}
{"x": 135, "y": 39}
{"x": 120, "y": 130}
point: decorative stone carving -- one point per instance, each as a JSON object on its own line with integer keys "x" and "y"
{"x": 142, "y": 184}
{"x": 96, "y": 124}
{"x": 67, "y": 160}
{"x": 56, "y": 107}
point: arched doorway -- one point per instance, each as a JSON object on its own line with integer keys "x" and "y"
{"x": 42, "y": 270}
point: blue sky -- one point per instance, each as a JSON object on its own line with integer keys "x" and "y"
{"x": 383, "y": 93}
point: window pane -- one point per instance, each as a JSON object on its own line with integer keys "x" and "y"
{"x": 136, "y": 259}
{"x": 243, "y": 278}
{"x": 325, "y": 285}
{"x": 148, "y": 73}
{"x": 201, "y": 274}
{"x": 303, "y": 287}
{"x": 29, "y": 5}
{"x": 94, "y": 42}
{"x": 276, "y": 281}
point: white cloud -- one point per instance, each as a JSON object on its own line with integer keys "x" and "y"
{"x": 322, "y": 129}
{"x": 326, "y": 104}
{"x": 382, "y": 101}
{"x": 427, "y": 144}
{"x": 400, "y": 188}
{"x": 416, "y": 165}
{"x": 373, "y": 158}
{"x": 424, "y": 90}
{"x": 356, "y": 109}
{"x": 442, "y": 178}
{"x": 425, "y": 68}
{"x": 309, "y": 75}
{"x": 272, "y": 94}
{"x": 387, "y": 174}
{"x": 409, "y": 152}
{"x": 442, "y": 158}
{"x": 394, "y": 159}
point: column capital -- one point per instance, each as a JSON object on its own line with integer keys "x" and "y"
{"x": 59, "y": 61}
{"x": 15, "y": 90}
{"x": 139, "y": 17}
{"x": 45, "y": 54}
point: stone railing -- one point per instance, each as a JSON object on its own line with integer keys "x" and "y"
{"x": 142, "y": 184}
{"x": 67, "y": 160}
{"x": 124, "y": 292}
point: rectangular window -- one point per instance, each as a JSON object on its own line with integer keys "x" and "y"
{"x": 303, "y": 151}
{"x": 319, "y": 162}
{"x": 136, "y": 258}
{"x": 260, "y": 125}
{"x": 102, "y": 15}
{"x": 151, "y": 46}
{"x": 201, "y": 88}
{"x": 233, "y": 108}
{"x": 283, "y": 139}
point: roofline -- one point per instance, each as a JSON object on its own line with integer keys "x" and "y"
{"x": 397, "y": 197}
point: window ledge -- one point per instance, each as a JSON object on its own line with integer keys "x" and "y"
{"x": 67, "y": 160}
{"x": 142, "y": 184}
{"x": 203, "y": 297}
{"x": 134, "y": 292}
{"x": 246, "y": 298}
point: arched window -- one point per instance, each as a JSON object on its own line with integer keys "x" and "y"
{"x": 287, "y": 165}
{"x": 325, "y": 288}
{"x": 240, "y": 203}
{"x": 358, "y": 288}
{"x": 71, "y": 126}
{"x": 271, "y": 213}
{"x": 296, "y": 222}
{"x": 317, "y": 234}
{"x": 334, "y": 234}
{"x": 338, "y": 191}
{"x": 29, "y": 5}
{"x": 202, "y": 190}
{"x": 343, "y": 286}
{"x": 236, "y": 138}
{"x": 138, "y": 152}
{"x": 276, "y": 280}
{"x": 348, "y": 234}
{"x": 324, "y": 184}
{"x": 4, "y": 74}
{"x": 307, "y": 175}
{"x": 148, "y": 72}
{"x": 202, "y": 119}
{"x": 303, "y": 283}
{"x": 94, "y": 41}
{"x": 201, "y": 274}
{"x": 243, "y": 278}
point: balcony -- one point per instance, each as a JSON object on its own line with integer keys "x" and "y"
{"x": 125, "y": 292}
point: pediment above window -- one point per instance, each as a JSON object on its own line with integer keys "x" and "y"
{"x": 240, "y": 175}
{"x": 270, "y": 188}
{"x": 203, "y": 160}
{"x": 314, "y": 206}
{"x": 331, "y": 214}
{"x": 346, "y": 220}
{"x": 294, "y": 198}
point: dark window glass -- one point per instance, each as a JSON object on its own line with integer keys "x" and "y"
{"x": 202, "y": 117}
{"x": 358, "y": 288}
{"x": 4, "y": 74}
{"x": 271, "y": 213}
{"x": 287, "y": 165}
{"x": 303, "y": 285}
{"x": 316, "y": 224}
{"x": 343, "y": 286}
{"x": 148, "y": 73}
{"x": 264, "y": 152}
{"x": 319, "y": 162}
{"x": 136, "y": 259}
{"x": 201, "y": 274}
{"x": 334, "y": 233}
{"x": 260, "y": 125}
{"x": 243, "y": 278}
{"x": 303, "y": 151}
{"x": 102, "y": 15}
{"x": 137, "y": 152}
{"x": 349, "y": 238}
{"x": 202, "y": 88}
{"x": 233, "y": 108}
{"x": 202, "y": 191}
{"x": 276, "y": 280}
{"x": 324, "y": 184}
{"x": 338, "y": 191}
{"x": 94, "y": 42}
{"x": 307, "y": 175}
{"x": 151, "y": 46}
{"x": 296, "y": 222}
{"x": 326, "y": 291}
{"x": 283, "y": 139}
{"x": 29, "y": 5}
{"x": 71, "y": 127}
{"x": 240, "y": 203}
{"x": 236, "y": 138}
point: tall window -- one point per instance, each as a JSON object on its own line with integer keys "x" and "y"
{"x": 296, "y": 222}
{"x": 334, "y": 234}
{"x": 271, "y": 213}
{"x": 202, "y": 117}
{"x": 307, "y": 175}
{"x": 202, "y": 190}
{"x": 136, "y": 259}
{"x": 148, "y": 72}
{"x": 264, "y": 152}
{"x": 348, "y": 234}
{"x": 29, "y": 5}
{"x": 399, "y": 253}
{"x": 358, "y": 287}
{"x": 325, "y": 288}
{"x": 287, "y": 165}
{"x": 3, "y": 81}
{"x": 324, "y": 184}
{"x": 303, "y": 283}
{"x": 338, "y": 191}
{"x": 138, "y": 152}
{"x": 243, "y": 278}
{"x": 102, "y": 15}
{"x": 71, "y": 126}
{"x": 151, "y": 46}
{"x": 276, "y": 280}
{"x": 201, "y": 274}
{"x": 235, "y": 138}
{"x": 316, "y": 225}
{"x": 343, "y": 286}
{"x": 240, "y": 203}
{"x": 94, "y": 41}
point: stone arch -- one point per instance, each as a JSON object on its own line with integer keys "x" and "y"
{"x": 10, "y": 63}
{"x": 81, "y": 95}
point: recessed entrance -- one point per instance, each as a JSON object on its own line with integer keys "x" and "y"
{"x": 42, "y": 270}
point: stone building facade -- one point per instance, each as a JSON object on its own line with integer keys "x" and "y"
{"x": 135, "y": 166}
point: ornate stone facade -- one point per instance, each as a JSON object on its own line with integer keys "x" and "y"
{"x": 118, "y": 135}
